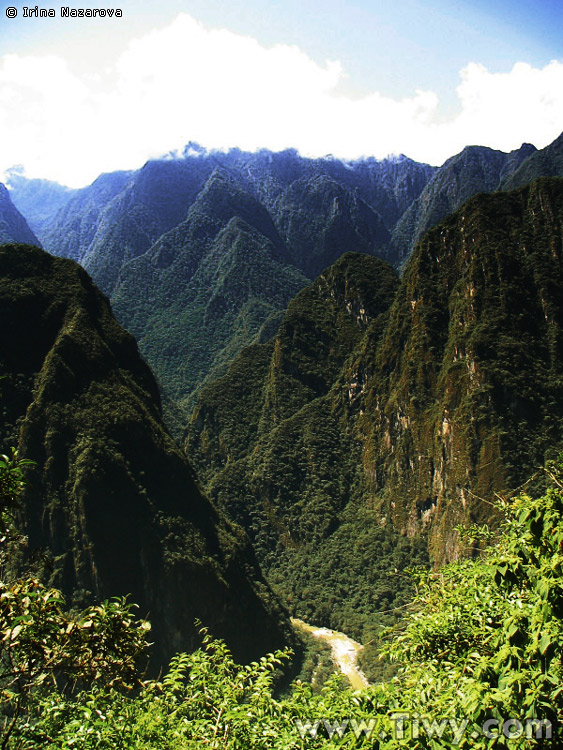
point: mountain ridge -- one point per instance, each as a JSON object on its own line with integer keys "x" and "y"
{"x": 476, "y": 169}
{"x": 154, "y": 240}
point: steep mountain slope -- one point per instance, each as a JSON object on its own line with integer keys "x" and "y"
{"x": 321, "y": 327}
{"x": 193, "y": 292}
{"x": 475, "y": 170}
{"x": 319, "y": 220}
{"x": 471, "y": 363}
{"x": 113, "y": 507}
{"x": 276, "y": 444}
{"x": 388, "y": 186}
{"x": 74, "y": 226}
{"x": 38, "y": 200}
{"x": 13, "y": 227}
{"x": 207, "y": 287}
{"x": 354, "y": 425}
{"x": 195, "y": 295}
{"x": 120, "y": 216}
{"x": 154, "y": 201}
{"x": 548, "y": 162}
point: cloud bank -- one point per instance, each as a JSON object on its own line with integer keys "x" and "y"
{"x": 189, "y": 83}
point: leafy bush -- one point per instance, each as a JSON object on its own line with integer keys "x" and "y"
{"x": 487, "y": 641}
{"x": 44, "y": 650}
{"x": 11, "y": 484}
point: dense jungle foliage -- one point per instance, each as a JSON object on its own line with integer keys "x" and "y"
{"x": 347, "y": 446}
{"x": 351, "y": 444}
{"x": 479, "y": 654}
{"x": 112, "y": 506}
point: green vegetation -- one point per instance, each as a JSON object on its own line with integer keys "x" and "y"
{"x": 480, "y": 664}
{"x": 316, "y": 664}
{"x": 477, "y": 169}
{"x": 202, "y": 254}
{"x": 487, "y": 641}
{"x": 466, "y": 394}
{"x": 275, "y": 443}
{"x": 381, "y": 415}
{"x": 112, "y": 505}
{"x": 11, "y": 486}
{"x": 356, "y": 581}
{"x": 548, "y": 162}
{"x": 211, "y": 286}
{"x": 45, "y": 651}
{"x": 385, "y": 413}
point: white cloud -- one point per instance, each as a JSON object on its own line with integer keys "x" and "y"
{"x": 186, "y": 82}
{"x": 507, "y": 108}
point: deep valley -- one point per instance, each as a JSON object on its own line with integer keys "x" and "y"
{"x": 256, "y": 387}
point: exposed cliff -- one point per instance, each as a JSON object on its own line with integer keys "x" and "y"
{"x": 465, "y": 396}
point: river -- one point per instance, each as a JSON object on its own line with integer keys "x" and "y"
{"x": 344, "y": 651}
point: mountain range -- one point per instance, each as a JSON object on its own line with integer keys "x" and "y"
{"x": 353, "y": 371}
{"x": 166, "y": 226}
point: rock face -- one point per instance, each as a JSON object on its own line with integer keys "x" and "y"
{"x": 401, "y": 404}
{"x": 465, "y": 396}
{"x": 113, "y": 507}
{"x": 13, "y": 227}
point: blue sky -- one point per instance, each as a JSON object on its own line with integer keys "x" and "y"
{"x": 80, "y": 96}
